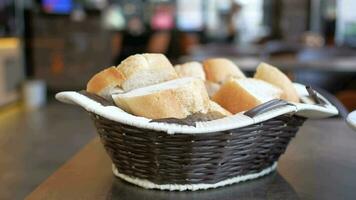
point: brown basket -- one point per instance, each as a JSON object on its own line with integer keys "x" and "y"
{"x": 155, "y": 158}
{"x": 196, "y": 158}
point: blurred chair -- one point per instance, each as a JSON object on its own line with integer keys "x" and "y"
{"x": 326, "y": 53}
{"x": 279, "y": 49}
{"x": 330, "y": 81}
{"x": 311, "y": 39}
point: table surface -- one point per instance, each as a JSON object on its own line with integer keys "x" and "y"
{"x": 318, "y": 164}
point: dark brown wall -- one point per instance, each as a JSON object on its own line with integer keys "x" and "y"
{"x": 67, "y": 53}
{"x": 294, "y": 18}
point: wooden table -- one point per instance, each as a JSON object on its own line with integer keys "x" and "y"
{"x": 320, "y": 163}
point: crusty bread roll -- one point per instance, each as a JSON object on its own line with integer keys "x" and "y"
{"x": 146, "y": 69}
{"x": 219, "y": 70}
{"x": 190, "y": 69}
{"x": 176, "y": 98}
{"x": 104, "y": 82}
{"x": 238, "y": 95}
{"x": 212, "y": 87}
{"x": 274, "y": 76}
{"x": 214, "y": 107}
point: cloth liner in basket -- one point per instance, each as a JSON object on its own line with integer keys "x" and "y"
{"x": 158, "y": 155}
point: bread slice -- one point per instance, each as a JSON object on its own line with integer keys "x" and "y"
{"x": 274, "y": 76}
{"x": 219, "y": 70}
{"x": 146, "y": 69}
{"x": 104, "y": 82}
{"x": 214, "y": 107}
{"x": 177, "y": 98}
{"x": 190, "y": 69}
{"x": 238, "y": 95}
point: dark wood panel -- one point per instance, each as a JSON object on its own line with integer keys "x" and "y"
{"x": 67, "y": 53}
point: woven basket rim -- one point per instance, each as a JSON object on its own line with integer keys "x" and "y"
{"x": 235, "y": 121}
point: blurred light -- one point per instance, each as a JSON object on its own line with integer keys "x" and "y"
{"x": 57, "y": 6}
{"x": 113, "y": 18}
{"x": 190, "y": 15}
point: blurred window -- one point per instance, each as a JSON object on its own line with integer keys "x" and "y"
{"x": 346, "y": 22}
{"x": 190, "y": 15}
{"x": 249, "y": 21}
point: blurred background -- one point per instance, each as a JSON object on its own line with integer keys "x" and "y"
{"x": 48, "y": 46}
{"x": 60, "y": 44}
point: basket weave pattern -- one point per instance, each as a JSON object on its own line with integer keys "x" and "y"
{"x": 196, "y": 158}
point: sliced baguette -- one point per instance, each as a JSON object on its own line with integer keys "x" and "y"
{"x": 274, "y": 76}
{"x": 177, "y": 98}
{"x": 104, "y": 82}
{"x": 190, "y": 69}
{"x": 219, "y": 70}
{"x": 142, "y": 70}
{"x": 238, "y": 95}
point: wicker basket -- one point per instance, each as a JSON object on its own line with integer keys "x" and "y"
{"x": 153, "y": 158}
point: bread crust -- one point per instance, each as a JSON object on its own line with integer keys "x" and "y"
{"x": 146, "y": 69}
{"x": 219, "y": 70}
{"x": 274, "y": 76}
{"x": 102, "y": 82}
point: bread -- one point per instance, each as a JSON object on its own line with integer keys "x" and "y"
{"x": 274, "y": 76}
{"x": 219, "y": 70}
{"x": 146, "y": 69}
{"x": 214, "y": 107}
{"x": 177, "y": 98}
{"x": 190, "y": 69}
{"x": 211, "y": 87}
{"x": 104, "y": 82}
{"x": 238, "y": 95}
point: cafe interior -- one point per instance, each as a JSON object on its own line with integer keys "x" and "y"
{"x": 48, "y": 46}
